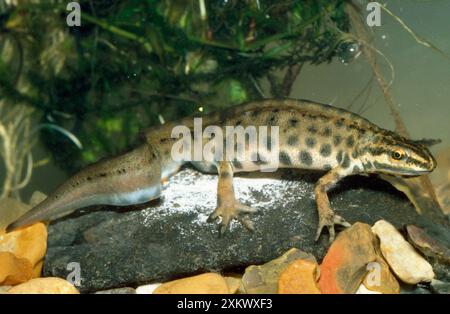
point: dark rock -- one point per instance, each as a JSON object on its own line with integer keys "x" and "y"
{"x": 170, "y": 238}
{"x": 428, "y": 245}
{"x": 441, "y": 269}
{"x": 117, "y": 291}
{"x": 434, "y": 249}
{"x": 414, "y": 289}
{"x": 440, "y": 287}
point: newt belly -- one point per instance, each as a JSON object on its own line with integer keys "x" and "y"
{"x": 310, "y": 136}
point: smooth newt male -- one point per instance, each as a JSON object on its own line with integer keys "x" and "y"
{"x": 311, "y": 136}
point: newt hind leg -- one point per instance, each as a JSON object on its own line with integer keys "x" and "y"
{"x": 228, "y": 208}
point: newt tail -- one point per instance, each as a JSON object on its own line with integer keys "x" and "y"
{"x": 131, "y": 178}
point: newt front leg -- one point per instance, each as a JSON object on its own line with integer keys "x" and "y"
{"x": 327, "y": 217}
{"x": 228, "y": 207}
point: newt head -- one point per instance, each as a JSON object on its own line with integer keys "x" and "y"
{"x": 396, "y": 155}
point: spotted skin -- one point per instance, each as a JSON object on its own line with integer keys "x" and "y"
{"x": 312, "y": 136}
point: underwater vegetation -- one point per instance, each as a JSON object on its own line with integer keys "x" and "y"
{"x": 133, "y": 64}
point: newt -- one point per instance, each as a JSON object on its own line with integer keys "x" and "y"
{"x": 312, "y": 136}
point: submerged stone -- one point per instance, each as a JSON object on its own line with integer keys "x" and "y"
{"x": 14, "y": 270}
{"x": 264, "y": 279}
{"x": 44, "y": 286}
{"x": 403, "y": 259}
{"x": 380, "y": 278}
{"x": 440, "y": 287}
{"x": 347, "y": 262}
{"x": 300, "y": 277}
{"x": 29, "y": 243}
{"x": 209, "y": 283}
{"x": 428, "y": 245}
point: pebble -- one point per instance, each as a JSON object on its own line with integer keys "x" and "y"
{"x": 263, "y": 279}
{"x": 29, "y": 243}
{"x": 234, "y": 284}
{"x": 14, "y": 270}
{"x": 50, "y": 285}
{"x": 346, "y": 264}
{"x": 208, "y": 283}
{"x": 363, "y": 290}
{"x": 300, "y": 277}
{"x": 147, "y": 289}
{"x": 380, "y": 278}
{"x": 404, "y": 261}
{"x": 428, "y": 245}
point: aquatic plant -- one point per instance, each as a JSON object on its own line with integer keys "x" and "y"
{"x": 15, "y": 148}
{"x": 133, "y": 64}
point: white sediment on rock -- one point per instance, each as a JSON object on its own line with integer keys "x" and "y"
{"x": 196, "y": 193}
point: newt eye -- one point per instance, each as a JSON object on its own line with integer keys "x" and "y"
{"x": 398, "y": 154}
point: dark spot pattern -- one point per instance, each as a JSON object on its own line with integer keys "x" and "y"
{"x": 355, "y": 154}
{"x": 305, "y": 158}
{"x": 340, "y": 123}
{"x": 356, "y": 169}
{"x": 121, "y": 171}
{"x": 339, "y": 156}
{"x": 326, "y": 167}
{"x": 272, "y": 120}
{"x": 327, "y": 132}
{"x": 310, "y": 142}
{"x": 293, "y": 122}
{"x": 337, "y": 140}
{"x": 350, "y": 141}
{"x": 292, "y": 140}
{"x": 237, "y": 164}
{"x": 255, "y": 113}
{"x": 285, "y": 159}
{"x": 325, "y": 150}
{"x": 345, "y": 161}
{"x": 312, "y": 129}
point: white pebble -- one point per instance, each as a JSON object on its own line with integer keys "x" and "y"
{"x": 403, "y": 259}
{"x": 147, "y": 289}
